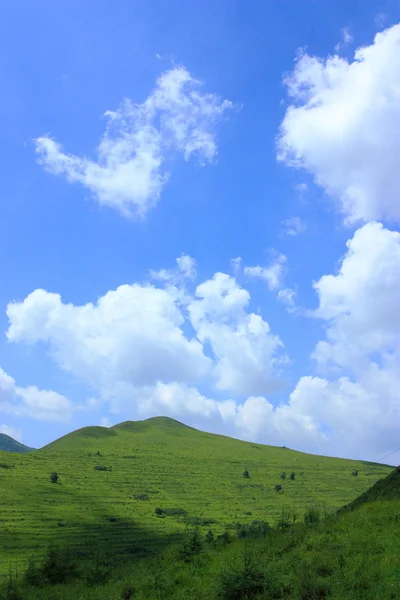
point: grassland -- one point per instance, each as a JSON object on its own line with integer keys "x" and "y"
{"x": 172, "y": 465}
{"x": 8, "y": 444}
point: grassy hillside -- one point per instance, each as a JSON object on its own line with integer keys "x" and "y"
{"x": 158, "y": 463}
{"x": 8, "y": 444}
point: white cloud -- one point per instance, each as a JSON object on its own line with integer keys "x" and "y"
{"x": 361, "y": 302}
{"x": 129, "y": 174}
{"x": 132, "y": 334}
{"x": 347, "y": 39}
{"x": 16, "y": 434}
{"x": 286, "y": 296}
{"x": 273, "y": 274}
{"x": 248, "y": 356}
{"x": 294, "y": 226}
{"x": 186, "y": 269}
{"x": 32, "y": 402}
{"x": 344, "y": 127}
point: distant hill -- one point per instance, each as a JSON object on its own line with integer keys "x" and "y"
{"x": 114, "y": 480}
{"x": 8, "y": 444}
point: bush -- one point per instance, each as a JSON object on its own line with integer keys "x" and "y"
{"x": 142, "y": 497}
{"x": 292, "y": 476}
{"x": 312, "y": 516}
{"x": 283, "y": 475}
{"x": 209, "y": 537}
{"x": 278, "y": 488}
{"x": 128, "y": 593}
{"x": 224, "y": 538}
{"x": 6, "y": 466}
{"x": 193, "y": 544}
{"x": 246, "y": 474}
{"x": 102, "y": 468}
{"x": 11, "y": 591}
{"x": 253, "y": 529}
{"x": 33, "y": 576}
{"x": 170, "y": 512}
{"x": 58, "y": 566}
{"x": 98, "y": 574}
{"x": 355, "y": 473}
{"x": 247, "y": 583}
{"x": 54, "y": 478}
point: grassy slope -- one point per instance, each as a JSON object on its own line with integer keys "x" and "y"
{"x": 177, "y": 466}
{"x": 8, "y": 444}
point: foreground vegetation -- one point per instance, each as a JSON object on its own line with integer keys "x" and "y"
{"x": 351, "y": 556}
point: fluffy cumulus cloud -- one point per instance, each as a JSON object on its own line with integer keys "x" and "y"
{"x": 358, "y": 400}
{"x": 130, "y": 173}
{"x": 132, "y": 334}
{"x": 31, "y": 401}
{"x": 361, "y": 302}
{"x": 247, "y": 354}
{"x": 344, "y": 127}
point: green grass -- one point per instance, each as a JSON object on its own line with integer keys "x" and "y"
{"x": 177, "y": 467}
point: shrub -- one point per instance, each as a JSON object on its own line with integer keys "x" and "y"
{"x": 224, "y": 538}
{"x": 246, "y": 474}
{"x": 312, "y": 515}
{"x": 170, "y": 512}
{"x": 102, "y": 468}
{"x": 292, "y": 476}
{"x": 112, "y": 519}
{"x": 142, "y": 497}
{"x": 355, "y": 473}
{"x": 58, "y": 566}
{"x": 278, "y": 488}
{"x": 283, "y": 475}
{"x": 6, "y": 466}
{"x": 11, "y": 591}
{"x": 209, "y": 537}
{"x": 247, "y": 583}
{"x": 313, "y": 588}
{"x": 98, "y": 574}
{"x": 193, "y": 544}
{"x": 128, "y": 593}
{"x": 54, "y": 478}
{"x": 253, "y": 529}
{"x": 33, "y": 576}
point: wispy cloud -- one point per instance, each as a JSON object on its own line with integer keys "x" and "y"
{"x": 293, "y": 226}
{"x": 129, "y": 174}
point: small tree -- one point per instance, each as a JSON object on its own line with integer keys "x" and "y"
{"x": 292, "y": 475}
{"x": 246, "y": 474}
{"x": 54, "y": 477}
{"x": 355, "y": 473}
{"x": 283, "y": 475}
{"x": 278, "y": 488}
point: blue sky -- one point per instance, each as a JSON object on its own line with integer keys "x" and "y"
{"x": 241, "y": 136}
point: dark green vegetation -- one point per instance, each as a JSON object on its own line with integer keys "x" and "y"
{"x": 173, "y": 517}
{"x": 8, "y": 444}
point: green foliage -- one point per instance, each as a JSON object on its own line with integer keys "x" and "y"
{"x": 312, "y": 516}
{"x": 193, "y": 544}
{"x": 283, "y": 475}
{"x": 59, "y": 565}
{"x": 201, "y": 521}
{"x": 209, "y": 537}
{"x": 54, "y": 478}
{"x": 8, "y": 444}
{"x": 170, "y": 512}
{"x": 246, "y": 583}
{"x": 246, "y": 474}
{"x": 278, "y": 488}
{"x": 292, "y": 476}
{"x": 355, "y": 473}
{"x": 142, "y": 497}
{"x": 253, "y": 529}
{"x": 128, "y": 593}
{"x": 102, "y": 468}
{"x": 6, "y": 466}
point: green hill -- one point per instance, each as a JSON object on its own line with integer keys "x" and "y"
{"x": 8, "y": 444}
{"x": 113, "y": 480}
